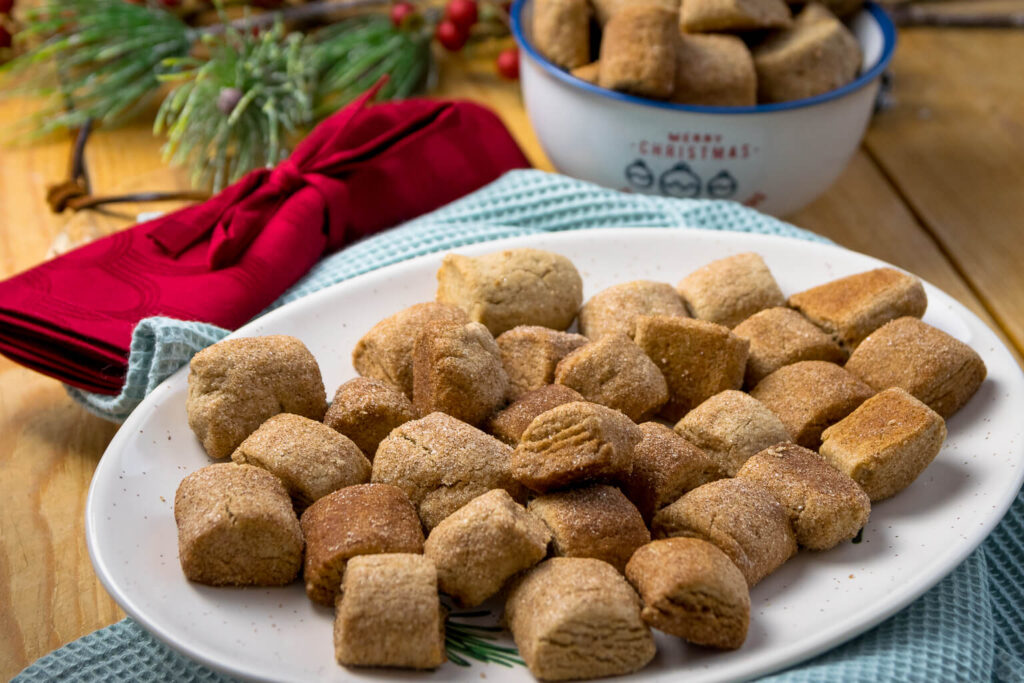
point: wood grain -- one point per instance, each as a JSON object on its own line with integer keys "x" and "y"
{"x": 953, "y": 147}
{"x": 49, "y": 446}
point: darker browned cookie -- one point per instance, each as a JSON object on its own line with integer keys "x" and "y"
{"x": 934, "y": 367}
{"x": 357, "y": 520}
{"x": 665, "y": 466}
{"x": 616, "y": 373}
{"x": 698, "y": 359}
{"x": 385, "y": 352}
{"x": 457, "y": 370}
{"x": 236, "y": 384}
{"x": 739, "y": 516}
{"x": 730, "y": 290}
{"x": 886, "y": 443}
{"x": 809, "y": 396}
{"x": 826, "y": 507}
{"x": 781, "y": 336}
{"x": 509, "y": 424}
{"x": 595, "y": 521}
{"x": 575, "y": 442}
{"x": 853, "y": 307}
{"x": 530, "y": 353}
{"x": 309, "y": 458}
{"x": 366, "y": 410}
{"x": 442, "y": 464}
{"x": 692, "y": 590}
{"x": 236, "y": 527}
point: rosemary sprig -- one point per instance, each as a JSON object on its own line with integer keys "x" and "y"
{"x": 477, "y": 642}
{"x": 97, "y": 59}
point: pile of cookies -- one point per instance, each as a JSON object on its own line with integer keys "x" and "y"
{"x": 705, "y": 52}
{"x": 643, "y": 472}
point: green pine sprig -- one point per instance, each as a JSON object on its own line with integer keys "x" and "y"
{"x": 239, "y": 108}
{"x": 93, "y": 59}
{"x": 473, "y": 641}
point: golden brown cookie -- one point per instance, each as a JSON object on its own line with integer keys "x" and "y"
{"x": 781, "y": 336}
{"x": 809, "y": 396}
{"x": 813, "y": 56}
{"x": 885, "y": 443}
{"x": 357, "y": 520}
{"x": 739, "y": 516}
{"x": 934, "y": 367}
{"x": 366, "y": 410}
{"x": 385, "y": 352}
{"x": 853, "y": 307}
{"x": 389, "y": 613}
{"x": 638, "y": 51}
{"x": 574, "y": 443}
{"x": 477, "y": 548}
{"x": 588, "y": 72}
{"x": 594, "y": 521}
{"x": 665, "y": 466}
{"x": 309, "y": 458}
{"x": 509, "y": 424}
{"x": 576, "y": 618}
{"x": 604, "y": 9}
{"x": 236, "y": 384}
{"x": 826, "y": 506}
{"x": 616, "y": 373}
{"x": 714, "y": 70}
{"x": 236, "y": 527}
{"x": 512, "y": 287}
{"x": 691, "y": 590}
{"x": 698, "y": 359}
{"x": 614, "y": 310}
{"x": 442, "y": 464}
{"x": 730, "y": 290}
{"x": 530, "y": 354}
{"x": 561, "y": 31}
{"x": 457, "y": 370}
{"x": 699, "y": 16}
{"x": 730, "y": 427}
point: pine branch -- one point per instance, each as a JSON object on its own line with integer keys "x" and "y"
{"x": 239, "y": 109}
{"x": 96, "y": 59}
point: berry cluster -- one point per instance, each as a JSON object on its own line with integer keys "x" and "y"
{"x": 453, "y": 29}
{"x": 5, "y": 13}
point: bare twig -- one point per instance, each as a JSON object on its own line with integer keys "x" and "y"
{"x": 922, "y": 15}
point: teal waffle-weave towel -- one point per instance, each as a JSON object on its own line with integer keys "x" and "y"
{"x": 969, "y": 627}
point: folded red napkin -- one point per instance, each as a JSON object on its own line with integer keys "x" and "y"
{"x": 364, "y": 169}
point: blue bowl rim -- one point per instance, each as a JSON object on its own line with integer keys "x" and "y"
{"x": 876, "y": 11}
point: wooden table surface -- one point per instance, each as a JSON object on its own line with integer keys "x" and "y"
{"x": 937, "y": 188}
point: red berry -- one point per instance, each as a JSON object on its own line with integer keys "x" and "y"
{"x": 508, "y": 63}
{"x": 5, "y": 37}
{"x": 451, "y": 36}
{"x": 462, "y": 13}
{"x": 401, "y": 11}
{"x": 6, "y": 6}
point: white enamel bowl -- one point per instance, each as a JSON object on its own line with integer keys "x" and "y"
{"x": 775, "y": 157}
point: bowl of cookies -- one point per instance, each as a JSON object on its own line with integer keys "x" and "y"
{"x": 757, "y": 101}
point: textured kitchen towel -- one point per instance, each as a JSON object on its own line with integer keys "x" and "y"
{"x": 969, "y": 627}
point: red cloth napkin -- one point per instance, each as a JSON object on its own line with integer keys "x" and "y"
{"x": 360, "y": 171}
